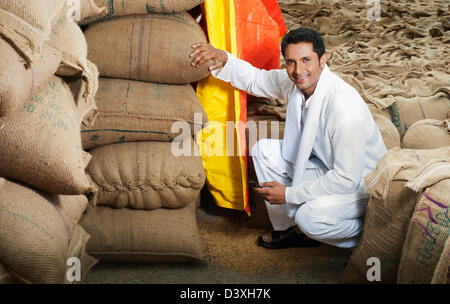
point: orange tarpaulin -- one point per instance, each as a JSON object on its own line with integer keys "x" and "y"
{"x": 250, "y": 30}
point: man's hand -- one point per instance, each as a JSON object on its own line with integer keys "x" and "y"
{"x": 204, "y": 52}
{"x": 272, "y": 192}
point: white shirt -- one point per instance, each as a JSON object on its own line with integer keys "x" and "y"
{"x": 342, "y": 133}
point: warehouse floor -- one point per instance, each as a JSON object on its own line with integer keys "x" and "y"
{"x": 231, "y": 256}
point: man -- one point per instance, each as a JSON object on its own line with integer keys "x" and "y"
{"x": 313, "y": 179}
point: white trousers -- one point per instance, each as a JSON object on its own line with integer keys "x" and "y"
{"x": 325, "y": 219}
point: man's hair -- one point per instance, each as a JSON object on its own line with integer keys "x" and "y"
{"x": 304, "y": 34}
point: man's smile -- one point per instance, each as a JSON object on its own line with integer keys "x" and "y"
{"x": 300, "y": 78}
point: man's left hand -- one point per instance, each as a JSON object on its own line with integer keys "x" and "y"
{"x": 272, "y": 192}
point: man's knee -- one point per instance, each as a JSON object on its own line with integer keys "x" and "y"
{"x": 312, "y": 223}
{"x": 260, "y": 149}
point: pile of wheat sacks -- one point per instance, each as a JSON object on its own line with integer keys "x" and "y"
{"x": 93, "y": 165}
{"x": 145, "y": 164}
{"x": 47, "y": 89}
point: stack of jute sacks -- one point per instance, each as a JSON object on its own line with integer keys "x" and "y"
{"x": 149, "y": 187}
{"x": 46, "y": 93}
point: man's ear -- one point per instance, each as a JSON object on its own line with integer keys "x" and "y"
{"x": 323, "y": 61}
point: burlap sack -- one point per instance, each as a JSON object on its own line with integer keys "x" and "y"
{"x": 389, "y": 133}
{"x": 143, "y": 236}
{"x": 389, "y": 211}
{"x": 145, "y": 175}
{"x": 441, "y": 274}
{"x": 404, "y": 113}
{"x": 18, "y": 83}
{"x": 428, "y": 231}
{"x": 376, "y": 111}
{"x": 68, "y": 38}
{"x": 92, "y": 10}
{"x": 140, "y": 111}
{"x": 153, "y": 48}
{"x": 35, "y": 232}
{"x": 6, "y": 277}
{"x": 41, "y": 144}
{"x": 27, "y": 24}
{"x": 77, "y": 249}
{"x": 427, "y": 134}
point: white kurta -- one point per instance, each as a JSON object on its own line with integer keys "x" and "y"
{"x": 338, "y": 129}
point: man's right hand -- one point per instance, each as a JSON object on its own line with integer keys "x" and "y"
{"x": 204, "y": 52}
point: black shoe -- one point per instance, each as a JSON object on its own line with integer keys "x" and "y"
{"x": 288, "y": 238}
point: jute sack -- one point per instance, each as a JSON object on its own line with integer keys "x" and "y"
{"x": 153, "y": 48}
{"x": 26, "y": 24}
{"x": 6, "y": 277}
{"x": 404, "y": 113}
{"x": 145, "y": 175}
{"x": 389, "y": 133}
{"x": 92, "y": 10}
{"x": 427, "y": 134}
{"x": 143, "y": 236}
{"x": 77, "y": 249}
{"x": 35, "y": 232}
{"x": 41, "y": 144}
{"x": 428, "y": 230}
{"x": 441, "y": 274}
{"x": 68, "y": 38}
{"x": 18, "y": 83}
{"x": 376, "y": 111}
{"x": 390, "y": 208}
{"x": 140, "y": 111}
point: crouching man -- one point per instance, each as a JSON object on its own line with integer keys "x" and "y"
{"x": 313, "y": 179}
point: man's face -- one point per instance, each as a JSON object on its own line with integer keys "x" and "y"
{"x": 303, "y": 66}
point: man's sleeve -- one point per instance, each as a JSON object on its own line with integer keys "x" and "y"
{"x": 258, "y": 82}
{"x": 349, "y": 145}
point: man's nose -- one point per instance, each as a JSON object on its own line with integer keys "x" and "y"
{"x": 299, "y": 68}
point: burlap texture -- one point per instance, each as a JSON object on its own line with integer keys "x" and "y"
{"x": 145, "y": 175}
{"x": 405, "y": 112}
{"x": 427, "y": 134}
{"x": 18, "y": 83}
{"x": 68, "y": 38}
{"x": 389, "y": 133}
{"x": 143, "y": 236}
{"x": 35, "y": 232}
{"x": 77, "y": 248}
{"x": 6, "y": 277}
{"x": 379, "y": 111}
{"x": 389, "y": 210}
{"x": 41, "y": 144}
{"x": 140, "y": 111}
{"x": 441, "y": 274}
{"x": 153, "y": 48}
{"x": 26, "y": 24}
{"x": 428, "y": 231}
{"x": 395, "y": 58}
{"x": 92, "y": 10}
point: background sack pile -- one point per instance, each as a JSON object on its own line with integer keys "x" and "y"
{"x": 46, "y": 93}
{"x": 148, "y": 190}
